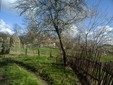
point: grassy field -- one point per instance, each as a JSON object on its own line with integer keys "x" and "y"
{"x": 106, "y": 58}
{"x": 22, "y": 70}
{"x": 33, "y": 70}
{"x": 12, "y": 74}
{"x": 44, "y": 51}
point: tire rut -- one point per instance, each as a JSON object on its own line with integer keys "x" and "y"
{"x": 32, "y": 70}
{"x": 28, "y": 68}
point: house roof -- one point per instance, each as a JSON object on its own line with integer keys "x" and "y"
{"x": 47, "y": 41}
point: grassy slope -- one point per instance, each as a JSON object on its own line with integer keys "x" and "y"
{"x": 106, "y": 58}
{"x": 12, "y": 74}
{"x": 54, "y": 74}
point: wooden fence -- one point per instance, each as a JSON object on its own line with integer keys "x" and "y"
{"x": 92, "y": 72}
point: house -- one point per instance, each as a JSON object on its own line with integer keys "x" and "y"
{"x": 48, "y": 42}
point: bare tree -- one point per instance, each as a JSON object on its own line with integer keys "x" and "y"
{"x": 54, "y": 14}
{"x": 35, "y": 32}
{"x": 94, "y": 32}
{"x": 16, "y": 28}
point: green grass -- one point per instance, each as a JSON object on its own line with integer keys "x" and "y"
{"x": 106, "y": 58}
{"x": 50, "y": 71}
{"x": 12, "y": 74}
{"x": 44, "y": 51}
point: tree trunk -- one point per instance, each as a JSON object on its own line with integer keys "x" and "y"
{"x": 38, "y": 52}
{"x": 26, "y": 51}
{"x": 61, "y": 45}
{"x": 51, "y": 52}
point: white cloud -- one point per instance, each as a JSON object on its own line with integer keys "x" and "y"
{"x": 106, "y": 36}
{"x": 71, "y": 32}
{"x": 8, "y": 4}
{"x": 105, "y": 29}
{"x": 108, "y": 28}
{"x": 110, "y": 41}
{"x": 103, "y": 35}
{"x": 5, "y": 28}
{"x": 8, "y": 1}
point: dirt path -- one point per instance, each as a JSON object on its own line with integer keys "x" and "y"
{"x": 28, "y": 68}
{"x": 39, "y": 79}
{"x": 33, "y": 71}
